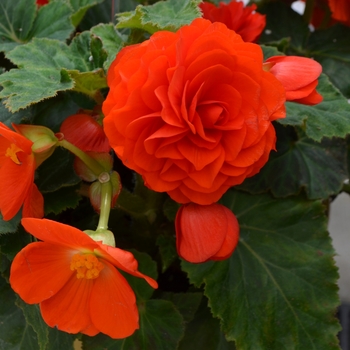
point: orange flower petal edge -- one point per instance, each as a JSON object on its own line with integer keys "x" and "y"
{"x": 298, "y": 75}
{"x": 205, "y": 233}
{"x": 191, "y": 111}
{"x": 76, "y": 281}
{"x": 242, "y": 19}
{"x": 17, "y": 167}
{"x": 340, "y": 10}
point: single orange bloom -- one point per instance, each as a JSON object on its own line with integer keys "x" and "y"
{"x": 75, "y": 280}
{"x": 192, "y": 111}
{"x": 17, "y": 167}
{"x": 298, "y": 75}
{"x": 242, "y": 19}
{"x": 205, "y": 232}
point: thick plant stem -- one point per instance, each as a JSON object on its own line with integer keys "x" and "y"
{"x": 91, "y": 163}
{"x": 106, "y": 199}
{"x": 309, "y": 8}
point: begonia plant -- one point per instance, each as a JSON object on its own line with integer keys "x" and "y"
{"x": 166, "y": 173}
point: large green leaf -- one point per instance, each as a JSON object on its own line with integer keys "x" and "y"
{"x": 330, "y": 118}
{"x": 278, "y": 290}
{"x": 20, "y": 22}
{"x": 331, "y": 48}
{"x": 301, "y": 163}
{"x": 161, "y": 328}
{"x": 46, "y": 67}
{"x": 203, "y": 332}
{"x": 163, "y": 15}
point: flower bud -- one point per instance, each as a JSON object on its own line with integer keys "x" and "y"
{"x": 101, "y": 235}
{"x": 205, "y": 232}
{"x": 44, "y": 140}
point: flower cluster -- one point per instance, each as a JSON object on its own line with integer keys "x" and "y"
{"x": 192, "y": 112}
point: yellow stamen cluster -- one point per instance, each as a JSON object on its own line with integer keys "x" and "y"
{"x": 86, "y": 265}
{"x": 11, "y": 152}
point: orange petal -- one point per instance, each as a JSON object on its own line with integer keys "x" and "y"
{"x": 58, "y": 234}
{"x": 33, "y": 204}
{"x": 15, "y": 183}
{"x": 69, "y": 309}
{"x": 113, "y": 304}
{"x": 125, "y": 261}
{"x": 39, "y": 271}
{"x": 200, "y": 231}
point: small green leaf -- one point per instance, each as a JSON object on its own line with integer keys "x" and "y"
{"x": 330, "y": 118}
{"x": 163, "y": 15}
{"x": 80, "y": 7}
{"x": 112, "y": 41}
{"x": 319, "y": 168}
{"x": 167, "y": 250}
{"x": 89, "y": 83}
{"x": 12, "y": 243}
{"x": 278, "y": 290}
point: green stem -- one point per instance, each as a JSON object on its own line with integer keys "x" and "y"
{"x": 106, "y": 199}
{"x": 93, "y": 165}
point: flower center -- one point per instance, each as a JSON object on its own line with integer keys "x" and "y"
{"x": 86, "y": 265}
{"x": 11, "y": 152}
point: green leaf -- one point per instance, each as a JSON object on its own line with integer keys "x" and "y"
{"x": 186, "y": 303}
{"x": 46, "y": 67}
{"x": 34, "y": 319}
{"x": 56, "y": 172}
{"x": 11, "y": 244}
{"x": 15, "y": 333}
{"x": 161, "y": 328}
{"x": 41, "y": 76}
{"x": 330, "y": 118}
{"x": 330, "y": 47}
{"x": 319, "y": 168}
{"x": 20, "y": 22}
{"x": 167, "y": 250}
{"x": 80, "y": 7}
{"x": 62, "y": 199}
{"x": 52, "y": 22}
{"x": 112, "y": 41}
{"x": 163, "y": 15}
{"x": 278, "y": 290}
{"x": 11, "y": 225}
{"x": 6, "y": 117}
{"x": 204, "y": 332}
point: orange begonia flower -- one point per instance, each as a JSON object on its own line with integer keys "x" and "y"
{"x": 192, "y": 111}
{"x": 298, "y": 75}
{"x": 17, "y": 167}
{"x": 242, "y": 19}
{"x": 76, "y": 281}
{"x": 83, "y": 131}
{"x": 205, "y": 232}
